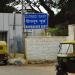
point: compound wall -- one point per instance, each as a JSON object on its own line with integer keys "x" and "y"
{"x": 43, "y": 47}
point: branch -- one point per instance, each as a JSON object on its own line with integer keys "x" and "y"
{"x": 28, "y": 1}
{"x": 50, "y": 12}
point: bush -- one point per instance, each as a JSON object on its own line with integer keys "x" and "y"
{"x": 58, "y": 31}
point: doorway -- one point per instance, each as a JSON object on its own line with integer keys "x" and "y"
{"x": 3, "y": 36}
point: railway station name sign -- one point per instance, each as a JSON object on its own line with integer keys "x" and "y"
{"x": 36, "y": 21}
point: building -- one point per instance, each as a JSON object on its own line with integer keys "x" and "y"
{"x": 6, "y": 27}
{"x": 10, "y": 34}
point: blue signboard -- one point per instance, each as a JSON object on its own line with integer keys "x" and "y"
{"x": 36, "y": 21}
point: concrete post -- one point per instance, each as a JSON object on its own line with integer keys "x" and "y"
{"x": 71, "y": 34}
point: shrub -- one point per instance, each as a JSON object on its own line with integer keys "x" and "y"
{"x": 58, "y": 31}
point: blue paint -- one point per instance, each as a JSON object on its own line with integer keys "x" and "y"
{"x": 36, "y": 21}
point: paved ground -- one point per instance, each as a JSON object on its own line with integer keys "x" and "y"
{"x": 28, "y": 70}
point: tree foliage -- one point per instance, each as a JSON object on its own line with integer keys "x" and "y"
{"x": 5, "y": 1}
{"x": 47, "y": 5}
{"x": 67, "y": 14}
{"x": 4, "y": 8}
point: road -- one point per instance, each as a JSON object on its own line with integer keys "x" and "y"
{"x": 28, "y": 70}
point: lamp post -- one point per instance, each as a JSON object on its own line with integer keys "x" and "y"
{"x": 25, "y": 57}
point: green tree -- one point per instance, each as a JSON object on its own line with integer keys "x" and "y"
{"x": 4, "y": 8}
{"x": 67, "y": 14}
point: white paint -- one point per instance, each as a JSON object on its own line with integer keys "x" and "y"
{"x": 43, "y": 47}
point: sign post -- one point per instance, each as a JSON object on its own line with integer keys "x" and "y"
{"x": 34, "y": 21}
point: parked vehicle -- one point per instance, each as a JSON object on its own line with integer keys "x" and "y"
{"x": 3, "y": 52}
{"x": 66, "y": 58}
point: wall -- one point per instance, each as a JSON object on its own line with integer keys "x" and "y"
{"x": 15, "y": 36}
{"x": 43, "y": 47}
{"x": 6, "y": 24}
{"x": 37, "y": 48}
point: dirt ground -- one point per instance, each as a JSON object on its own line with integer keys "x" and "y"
{"x": 47, "y": 69}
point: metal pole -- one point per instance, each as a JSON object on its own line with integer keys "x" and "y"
{"x": 25, "y": 57}
{"x": 14, "y": 34}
